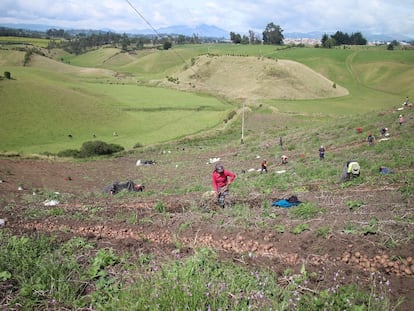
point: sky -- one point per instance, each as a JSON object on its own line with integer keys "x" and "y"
{"x": 239, "y": 16}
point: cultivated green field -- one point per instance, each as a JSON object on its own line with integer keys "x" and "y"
{"x": 106, "y": 91}
{"x": 24, "y": 41}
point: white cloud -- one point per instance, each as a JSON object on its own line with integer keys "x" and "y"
{"x": 372, "y": 16}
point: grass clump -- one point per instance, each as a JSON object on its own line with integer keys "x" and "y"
{"x": 323, "y": 232}
{"x": 40, "y": 274}
{"x": 306, "y": 210}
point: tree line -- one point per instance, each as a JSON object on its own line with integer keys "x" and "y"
{"x": 340, "y": 38}
{"x": 273, "y": 34}
{"x": 78, "y": 42}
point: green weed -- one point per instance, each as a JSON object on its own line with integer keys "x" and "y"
{"x": 351, "y": 228}
{"x": 299, "y": 228}
{"x": 305, "y": 210}
{"x": 354, "y": 204}
{"x": 279, "y": 228}
{"x": 160, "y": 207}
{"x": 39, "y": 273}
{"x": 50, "y": 278}
{"x": 323, "y": 232}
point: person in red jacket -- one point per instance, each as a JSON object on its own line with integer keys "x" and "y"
{"x": 221, "y": 180}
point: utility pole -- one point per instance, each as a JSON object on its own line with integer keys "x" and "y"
{"x": 242, "y": 132}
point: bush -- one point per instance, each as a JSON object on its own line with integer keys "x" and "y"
{"x": 69, "y": 153}
{"x": 93, "y": 148}
{"x": 90, "y": 149}
{"x": 230, "y": 116}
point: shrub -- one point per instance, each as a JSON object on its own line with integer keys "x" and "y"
{"x": 93, "y": 148}
{"x": 69, "y": 153}
{"x": 231, "y": 115}
{"x": 90, "y": 149}
{"x": 138, "y": 145}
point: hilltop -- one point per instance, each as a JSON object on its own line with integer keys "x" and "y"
{"x": 257, "y": 79}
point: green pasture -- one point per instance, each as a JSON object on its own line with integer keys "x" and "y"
{"x": 376, "y": 78}
{"x": 106, "y": 90}
{"x": 143, "y": 64}
{"x": 42, "y": 108}
{"x": 24, "y": 41}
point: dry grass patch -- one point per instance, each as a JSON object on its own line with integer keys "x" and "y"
{"x": 256, "y": 79}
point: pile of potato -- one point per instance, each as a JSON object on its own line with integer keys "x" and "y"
{"x": 398, "y": 266}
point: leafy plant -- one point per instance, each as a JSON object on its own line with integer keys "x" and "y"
{"x": 353, "y": 204}
{"x": 102, "y": 259}
{"x": 160, "y": 207}
{"x": 351, "y": 229}
{"x": 323, "y": 231}
{"x": 305, "y": 210}
{"x": 299, "y": 228}
{"x": 279, "y": 228}
{"x": 371, "y": 228}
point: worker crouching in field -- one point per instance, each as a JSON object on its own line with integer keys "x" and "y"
{"x": 264, "y": 166}
{"x": 221, "y": 180}
{"x": 350, "y": 171}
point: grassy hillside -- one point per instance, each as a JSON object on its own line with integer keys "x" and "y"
{"x": 105, "y": 91}
{"x": 49, "y": 100}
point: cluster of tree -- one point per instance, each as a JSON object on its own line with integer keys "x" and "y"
{"x": 273, "y": 34}
{"x": 12, "y": 32}
{"x": 81, "y": 41}
{"x": 340, "y": 38}
{"x": 252, "y": 38}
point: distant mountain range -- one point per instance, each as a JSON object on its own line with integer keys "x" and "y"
{"x": 209, "y": 31}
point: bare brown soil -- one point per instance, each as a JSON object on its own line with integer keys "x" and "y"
{"x": 132, "y": 223}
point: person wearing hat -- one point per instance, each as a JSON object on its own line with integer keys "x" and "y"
{"x": 221, "y": 180}
{"x": 321, "y": 153}
{"x": 401, "y": 119}
{"x": 284, "y": 159}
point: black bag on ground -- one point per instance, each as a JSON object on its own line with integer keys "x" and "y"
{"x": 293, "y": 199}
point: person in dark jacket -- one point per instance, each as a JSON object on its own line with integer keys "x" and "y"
{"x": 321, "y": 153}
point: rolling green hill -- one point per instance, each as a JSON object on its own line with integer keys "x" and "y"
{"x": 155, "y": 96}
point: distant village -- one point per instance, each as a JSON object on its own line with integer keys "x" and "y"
{"x": 313, "y": 41}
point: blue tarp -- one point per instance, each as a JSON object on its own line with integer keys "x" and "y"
{"x": 285, "y": 203}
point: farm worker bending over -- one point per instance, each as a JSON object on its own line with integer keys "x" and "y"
{"x": 264, "y": 166}
{"x": 221, "y": 180}
{"x": 351, "y": 170}
{"x": 370, "y": 139}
